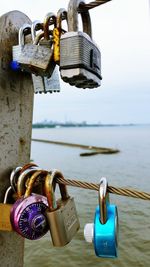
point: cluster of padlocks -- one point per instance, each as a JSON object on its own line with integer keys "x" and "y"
{"x": 72, "y": 51}
{"x": 30, "y": 209}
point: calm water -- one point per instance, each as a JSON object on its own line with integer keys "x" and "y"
{"x": 129, "y": 168}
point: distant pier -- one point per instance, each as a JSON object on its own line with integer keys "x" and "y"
{"x": 94, "y": 150}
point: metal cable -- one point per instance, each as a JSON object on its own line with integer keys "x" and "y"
{"x": 92, "y": 5}
{"x": 111, "y": 189}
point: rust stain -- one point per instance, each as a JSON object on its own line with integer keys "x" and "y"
{"x": 22, "y": 141}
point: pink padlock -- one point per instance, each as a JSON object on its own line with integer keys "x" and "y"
{"x": 28, "y": 213}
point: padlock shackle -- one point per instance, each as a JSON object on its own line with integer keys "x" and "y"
{"x": 49, "y": 192}
{"x": 50, "y": 184}
{"x": 61, "y": 14}
{"x": 48, "y": 18}
{"x": 32, "y": 180}
{"x": 35, "y": 26}
{"x": 73, "y": 17}
{"x": 24, "y": 30}
{"x": 103, "y": 200}
{"x": 9, "y": 192}
{"x": 27, "y": 166}
{"x": 14, "y": 177}
{"x": 38, "y": 38}
{"x": 23, "y": 178}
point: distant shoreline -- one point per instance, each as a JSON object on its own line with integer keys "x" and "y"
{"x": 69, "y": 125}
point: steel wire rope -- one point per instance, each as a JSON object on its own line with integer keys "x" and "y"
{"x": 111, "y": 189}
{"x": 128, "y": 192}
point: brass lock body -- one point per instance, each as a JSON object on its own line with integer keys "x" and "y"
{"x": 62, "y": 215}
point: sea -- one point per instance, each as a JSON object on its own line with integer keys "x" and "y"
{"x": 128, "y": 169}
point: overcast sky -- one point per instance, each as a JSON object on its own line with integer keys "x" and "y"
{"x": 121, "y": 28}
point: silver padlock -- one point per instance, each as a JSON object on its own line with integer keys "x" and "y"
{"x": 37, "y": 59}
{"x": 17, "y": 49}
{"x": 52, "y": 84}
{"x": 44, "y": 84}
{"x": 38, "y": 83}
{"x": 47, "y": 41}
{"x": 62, "y": 215}
{"x": 80, "y": 57}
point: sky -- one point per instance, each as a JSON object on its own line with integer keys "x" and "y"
{"x": 121, "y": 29}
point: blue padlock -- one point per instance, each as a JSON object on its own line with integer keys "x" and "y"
{"x": 104, "y": 232}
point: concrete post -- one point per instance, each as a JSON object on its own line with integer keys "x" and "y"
{"x": 16, "y": 105}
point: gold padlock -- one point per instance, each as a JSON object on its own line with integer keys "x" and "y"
{"x": 5, "y": 224}
{"x": 61, "y": 215}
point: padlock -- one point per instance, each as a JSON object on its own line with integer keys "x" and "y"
{"x": 62, "y": 215}
{"x": 10, "y": 197}
{"x": 17, "y": 49}
{"x": 27, "y": 215}
{"x": 80, "y": 57}
{"x": 5, "y": 207}
{"x": 47, "y": 43}
{"x": 38, "y": 81}
{"x": 37, "y": 59}
{"x": 52, "y": 84}
{"x": 44, "y": 84}
{"x": 104, "y": 231}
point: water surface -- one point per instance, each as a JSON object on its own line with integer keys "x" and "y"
{"x": 129, "y": 168}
